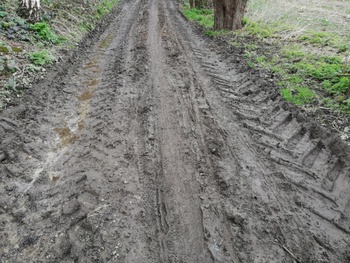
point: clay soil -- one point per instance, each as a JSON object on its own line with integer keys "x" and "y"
{"x": 152, "y": 143}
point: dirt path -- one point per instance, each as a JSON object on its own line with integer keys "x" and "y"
{"x": 154, "y": 145}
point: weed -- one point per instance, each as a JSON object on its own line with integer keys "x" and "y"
{"x": 260, "y": 59}
{"x": 337, "y": 85}
{"x": 295, "y": 79}
{"x": 251, "y": 47}
{"x": 343, "y": 47}
{"x": 250, "y": 64}
{"x": 105, "y": 6}
{"x": 41, "y": 58}
{"x": 299, "y": 95}
{"x": 346, "y": 106}
{"x": 45, "y": 33}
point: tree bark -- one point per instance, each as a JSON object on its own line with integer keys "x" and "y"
{"x": 192, "y": 3}
{"x": 30, "y": 9}
{"x": 228, "y": 14}
{"x": 200, "y": 4}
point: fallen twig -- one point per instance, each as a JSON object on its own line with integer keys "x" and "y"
{"x": 291, "y": 254}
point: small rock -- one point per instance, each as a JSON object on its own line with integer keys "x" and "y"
{"x": 10, "y": 36}
{"x": 23, "y": 37}
{"x": 15, "y": 29}
{"x": 11, "y": 66}
{"x": 10, "y": 188}
{"x": 70, "y": 207}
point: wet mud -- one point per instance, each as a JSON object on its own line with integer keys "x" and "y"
{"x": 152, "y": 143}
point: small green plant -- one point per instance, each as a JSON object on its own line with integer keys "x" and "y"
{"x": 250, "y": 64}
{"x": 45, "y": 33}
{"x": 298, "y": 95}
{"x": 346, "y": 106}
{"x": 251, "y": 47}
{"x": 105, "y": 6}
{"x": 41, "y": 58}
{"x": 260, "y": 59}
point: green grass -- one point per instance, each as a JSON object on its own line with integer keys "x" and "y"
{"x": 323, "y": 39}
{"x": 299, "y": 95}
{"x": 204, "y": 17}
{"x": 105, "y": 7}
{"x": 257, "y": 29}
{"x": 41, "y": 58}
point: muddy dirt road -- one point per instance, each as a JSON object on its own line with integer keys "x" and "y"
{"x": 153, "y": 144}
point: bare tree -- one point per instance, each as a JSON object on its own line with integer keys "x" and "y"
{"x": 228, "y": 14}
{"x": 30, "y": 9}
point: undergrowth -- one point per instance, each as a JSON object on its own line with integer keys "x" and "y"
{"x": 26, "y": 47}
{"x": 45, "y": 33}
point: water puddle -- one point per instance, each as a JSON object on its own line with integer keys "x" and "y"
{"x": 88, "y": 81}
{"x": 67, "y": 137}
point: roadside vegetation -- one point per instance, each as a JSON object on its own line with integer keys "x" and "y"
{"x": 305, "y": 47}
{"x": 27, "y": 47}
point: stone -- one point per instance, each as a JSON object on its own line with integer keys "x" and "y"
{"x": 11, "y": 66}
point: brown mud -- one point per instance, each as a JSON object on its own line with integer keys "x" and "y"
{"x": 153, "y": 144}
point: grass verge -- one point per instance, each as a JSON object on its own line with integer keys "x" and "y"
{"x": 310, "y": 63}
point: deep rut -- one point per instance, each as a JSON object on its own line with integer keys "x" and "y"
{"x": 153, "y": 144}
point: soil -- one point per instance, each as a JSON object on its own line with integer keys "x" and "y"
{"x": 152, "y": 143}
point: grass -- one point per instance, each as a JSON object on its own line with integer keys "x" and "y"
{"x": 299, "y": 95}
{"x": 204, "y": 17}
{"x": 306, "y": 49}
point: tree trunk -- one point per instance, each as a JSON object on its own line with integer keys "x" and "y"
{"x": 30, "y": 9}
{"x": 200, "y": 4}
{"x": 228, "y": 14}
{"x": 192, "y": 3}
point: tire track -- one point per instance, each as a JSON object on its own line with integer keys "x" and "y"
{"x": 158, "y": 148}
{"x": 272, "y": 139}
